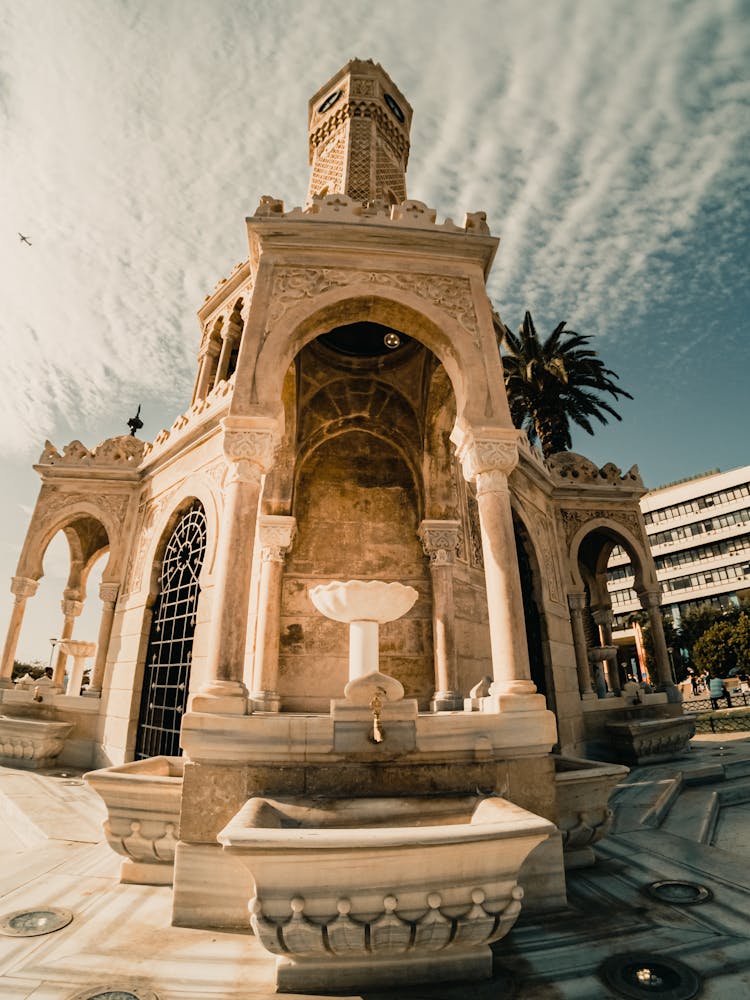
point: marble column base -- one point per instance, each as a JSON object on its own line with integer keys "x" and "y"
{"x": 447, "y": 701}
{"x": 495, "y": 703}
{"x": 264, "y": 701}
{"x": 221, "y": 698}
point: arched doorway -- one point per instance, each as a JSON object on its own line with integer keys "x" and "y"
{"x": 170, "y": 647}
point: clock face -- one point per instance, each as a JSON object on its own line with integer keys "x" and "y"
{"x": 329, "y": 101}
{"x": 393, "y": 105}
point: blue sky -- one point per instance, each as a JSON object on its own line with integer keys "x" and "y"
{"x": 607, "y": 142}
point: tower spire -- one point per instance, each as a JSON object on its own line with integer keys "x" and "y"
{"x": 359, "y": 126}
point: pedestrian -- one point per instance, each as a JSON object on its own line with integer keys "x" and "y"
{"x": 716, "y": 690}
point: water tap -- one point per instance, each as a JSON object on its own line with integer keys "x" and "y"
{"x": 37, "y": 696}
{"x": 376, "y": 704}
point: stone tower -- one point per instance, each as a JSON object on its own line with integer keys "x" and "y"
{"x": 359, "y": 135}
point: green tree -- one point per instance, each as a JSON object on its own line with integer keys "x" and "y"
{"x": 741, "y": 640}
{"x": 714, "y": 651}
{"x": 553, "y": 383}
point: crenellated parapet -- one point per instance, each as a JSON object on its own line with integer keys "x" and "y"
{"x": 569, "y": 467}
{"x": 409, "y": 214}
{"x": 123, "y": 451}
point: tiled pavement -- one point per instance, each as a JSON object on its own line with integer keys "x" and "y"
{"x": 689, "y": 820}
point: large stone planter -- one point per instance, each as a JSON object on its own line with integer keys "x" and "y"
{"x": 355, "y": 894}
{"x": 143, "y": 815}
{"x": 649, "y": 741}
{"x": 30, "y": 735}
{"x": 584, "y": 817}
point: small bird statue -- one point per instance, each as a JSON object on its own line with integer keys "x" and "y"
{"x": 135, "y": 423}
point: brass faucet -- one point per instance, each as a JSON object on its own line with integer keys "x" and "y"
{"x": 376, "y": 704}
{"x": 37, "y": 696}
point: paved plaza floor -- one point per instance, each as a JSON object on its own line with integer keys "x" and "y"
{"x": 685, "y": 821}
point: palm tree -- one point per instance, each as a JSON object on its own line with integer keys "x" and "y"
{"x": 553, "y": 383}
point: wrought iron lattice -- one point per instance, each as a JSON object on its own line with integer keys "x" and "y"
{"x": 170, "y": 646}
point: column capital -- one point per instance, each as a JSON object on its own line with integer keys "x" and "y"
{"x": 71, "y": 608}
{"x": 252, "y": 445}
{"x": 577, "y": 601}
{"x": 650, "y": 598}
{"x": 439, "y": 540}
{"x": 276, "y": 531}
{"x": 602, "y": 616}
{"x": 23, "y": 586}
{"x": 210, "y": 349}
{"x": 108, "y": 592}
{"x": 484, "y": 455}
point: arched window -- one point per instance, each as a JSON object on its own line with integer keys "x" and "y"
{"x": 170, "y": 646}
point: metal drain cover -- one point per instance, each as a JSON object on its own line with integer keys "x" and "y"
{"x": 640, "y": 974}
{"x": 32, "y": 923}
{"x": 679, "y": 893}
{"x": 115, "y": 993}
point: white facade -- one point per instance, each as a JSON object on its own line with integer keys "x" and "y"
{"x": 699, "y": 532}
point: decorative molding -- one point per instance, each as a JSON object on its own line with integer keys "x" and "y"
{"x": 480, "y": 456}
{"x": 292, "y": 285}
{"x": 388, "y": 933}
{"x": 257, "y": 447}
{"x": 588, "y": 829}
{"x": 114, "y": 504}
{"x": 157, "y": 848}
{"x": 108, "y": 592}
{"x": 574, "y": 519}
{"x": 275, "y": 535}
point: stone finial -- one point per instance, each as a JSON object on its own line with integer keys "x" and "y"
{"x": 268, "y": 205}
{"x": 476, "y": 222}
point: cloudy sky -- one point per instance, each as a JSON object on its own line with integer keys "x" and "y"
{"x": 607, "y": 140}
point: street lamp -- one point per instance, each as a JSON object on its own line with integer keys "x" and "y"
{"x": 53, "y": 643}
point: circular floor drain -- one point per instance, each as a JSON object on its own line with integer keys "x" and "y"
{"x": 115, "y": 993}
{"x": 32, "y": 923}
{"x": 679, "y": 893}
{"x": 640, "y": 974}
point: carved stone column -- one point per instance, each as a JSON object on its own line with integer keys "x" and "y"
{"x": 440, "y": 542}
{"x": 108, "y": 595}
{"x": 276, "y": 533}
{"x": 651, "y": 602}
{"x": 22, "y": 588}
{"x": 489, "y": 462}
{"x": 230, "y": 339}
{"x": 249, "y": 451}
{"x": 205, "y": 371}
{"x": 577, "y": 605}
{"x": 71, "y": 608}
{"x": 603, "y": 620}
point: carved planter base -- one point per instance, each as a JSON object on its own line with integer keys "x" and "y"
{"x": 143, "y": 815}
{"x": 356, "y": 894}
{"x": 584, "y": 817}
{"x": 650, "y": 741}
{"x": 29, "y": 742}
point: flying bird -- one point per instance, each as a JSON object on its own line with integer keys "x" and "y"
{"x": 25, "y": 239}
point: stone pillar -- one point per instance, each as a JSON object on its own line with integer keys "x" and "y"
{"x": 275, "y": 534}
{"x": 603, "y": 620}
{"x": 71, "y": 608}
{"x": 651, "y": 602}
{"x": 205, "y": 371}
{"x": 489, "y": 462}
{"x": 22, "y": 589}
{"x": 229, "y": 341}
{"x": 249, "y": 452}
{"x": 577, "y": 605}
{"x": 108, "y": 595}
{"x": 440, "y": 542}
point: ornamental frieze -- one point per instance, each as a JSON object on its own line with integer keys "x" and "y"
{"x": 292, "y": 285}
{"x": 573, "y": 520}
{"x": 115, "y": 505}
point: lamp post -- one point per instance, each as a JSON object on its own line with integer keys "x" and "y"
{"x": 53, "y": 644}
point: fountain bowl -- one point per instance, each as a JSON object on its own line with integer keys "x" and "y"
{"x": 355, "y": 894}
{"x": 363, "y": 600}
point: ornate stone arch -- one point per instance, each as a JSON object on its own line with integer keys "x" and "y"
{"x": 313, "y": 301}
{"x": 79, "y": 513}
{"x": 610, "y": 531}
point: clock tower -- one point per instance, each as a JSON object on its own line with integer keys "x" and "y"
{"x": 359, "y": 135}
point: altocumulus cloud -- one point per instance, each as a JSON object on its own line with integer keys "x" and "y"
{"x": 597, "y": 137}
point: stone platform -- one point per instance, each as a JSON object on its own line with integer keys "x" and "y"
{"x": 686, "y": 820}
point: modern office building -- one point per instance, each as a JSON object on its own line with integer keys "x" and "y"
{"x": 699, "y": 531}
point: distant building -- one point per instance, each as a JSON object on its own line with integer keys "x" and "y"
{"x": 699, "y": 532}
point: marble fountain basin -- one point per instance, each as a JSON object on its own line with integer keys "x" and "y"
{"x": 30, "y": 734}
{"x": 143, "y": 815}
{"x": 370, "y": 893}
{"x": 583, "y": 790}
